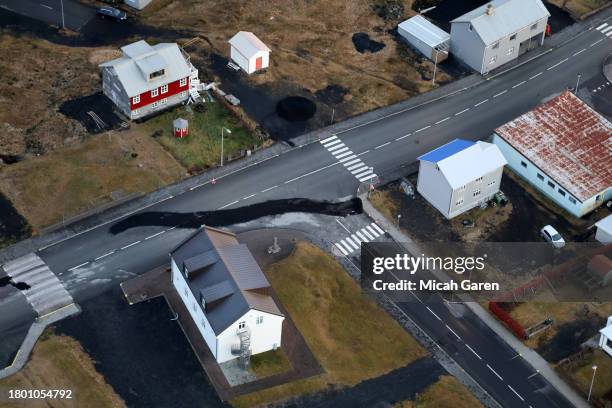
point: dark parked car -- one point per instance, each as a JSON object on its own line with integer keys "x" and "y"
{"x": 113, "y": 13}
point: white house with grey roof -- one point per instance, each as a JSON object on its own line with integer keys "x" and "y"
{"x": 227, "y": 295}
{"x": 460, "y": 175}
{"x": 498, "y": 32}
{"x": 148, "y": 78}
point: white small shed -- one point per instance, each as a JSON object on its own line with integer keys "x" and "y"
{"x": 605, "y": 341}
{"x": 604, "y": 230}
{"x": 137, "y": 4}
{"x": 249, "y": 52}
{"x": 429, "y": 39}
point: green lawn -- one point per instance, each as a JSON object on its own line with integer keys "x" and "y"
{"x": 202, "y": 148}
{"x": 269, "y": 363}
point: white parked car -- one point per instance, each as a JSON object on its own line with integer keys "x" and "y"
{"x": 550, "y": 234}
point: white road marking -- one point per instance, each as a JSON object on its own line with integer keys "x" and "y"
{"x": 104, "y": 256}
{"x": 403, "y": 137}
{"x": 514, "y": 391}
{"x": 154, "y": 235}
{"x": 346, "y": 246}
{"x": 432, "y": 312}
{"x": 341, "y": 249}
{"x": 352, "y": 162}
{"x": 349, "y": 153}
{"x": 350, "y": 156}
{"x": 78, "y": 266}
{"x": 134, "y": 243}
{"x": 443, "y": 120}
{"x": 609, "y": 34}
{"x": 462, "y": 112}
{"x": 519, "y": 84}
{"x": 605, "y": 30}
{"x": 372, "y": 231}
{"x": 333, "y": 142}
{"x": 602, "y": 26}
{"x": 45, "y": 6}
{"x": 329, "y": 138}
{"x": 557, "y": 64}
{"x": 250, "y": 196}
{"x": 421, "y": 129}
{"x": 596, "y": 42}
{"x": 363, "y": 173}
{"x": 367, "y": 178}
{"x": 472, "y": 350}
{"x": 495, "y": 372}
{"x": 169, "y": 229}
{"x": 356, "y": 239}
{"x": 336, "y": 152}
{"x": 579, "y": 52}
{"x": 481, "y": 102}
{"x": 377, "y": 228}
{"x": 367, "y": 234}
{"x": 227, "y": 205}
{"x": 533, "y": 375}
{"x": 356, "y": 166}
{"x": 535, "y": 76}
{"x": 500, "y": 94}
{"x": 343, "y": 226}
{"x": 353, "y": 244}
{"x": 382, "y": 145}
{"x": 362, "y": 237}
{"x": 452, "y": 331}
{"x": 335, "y": 147}
{"x": 269, "y": 188}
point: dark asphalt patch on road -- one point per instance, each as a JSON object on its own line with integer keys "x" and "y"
{"x": 363, "y": 43}
{"x": 387, "y": 390}
{"x": 97, "y": 103}
{"x": 232, "y": 216}
{"x": 140, "y": 352}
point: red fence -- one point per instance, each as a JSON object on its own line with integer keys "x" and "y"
{"x": 502, "y": 315}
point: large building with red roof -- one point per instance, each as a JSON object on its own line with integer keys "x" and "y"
{"x": 564, "y": 149}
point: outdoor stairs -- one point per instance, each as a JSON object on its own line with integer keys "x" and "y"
{"x": 243, "y": 350}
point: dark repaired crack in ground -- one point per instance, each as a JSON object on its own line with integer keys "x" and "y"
{"x": 7, "y": 280}
{"x": 220, "y": 218}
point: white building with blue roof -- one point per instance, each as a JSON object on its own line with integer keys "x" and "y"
{"x": 460, "y": 175}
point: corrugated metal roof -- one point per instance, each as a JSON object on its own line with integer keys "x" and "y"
{"x": 424, "y": 30}
{"x": 140, "y": 59}
{"x": 568, "y": 141}
{"x": 248, "y": 44}
{"x": 509, "y": 16}
{"x": 446, "y": 150}
{"x": 224, "y": 272}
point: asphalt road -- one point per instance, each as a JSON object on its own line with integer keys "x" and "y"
{"x": 75, "y": 14}
{"x": 91, "y": 262}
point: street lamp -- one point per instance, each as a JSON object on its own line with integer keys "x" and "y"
{"x": 222, "y": 130}
{"x": 577, "y": 83}
{"x": 398, "y": 219}
{"x": 63, "y": 21}
{"x": 592, "y": 381}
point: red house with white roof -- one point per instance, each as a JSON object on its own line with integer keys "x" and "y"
{"x": 147, "y": 78}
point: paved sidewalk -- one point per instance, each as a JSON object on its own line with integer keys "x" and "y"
{"x": 34, "y": 332}
{"x": 529, "y": 355}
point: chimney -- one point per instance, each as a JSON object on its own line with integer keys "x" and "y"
{"x": 489, "y": 9}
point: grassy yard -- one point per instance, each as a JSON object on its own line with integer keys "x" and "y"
{"x": 579, "y": 7}
{"x": 59, "y": 362}
{"x": 448, "y": 392}
{"x": 202, "y": 148}
{"x": 351, "y": 337}
{"x": 68, "y": 181}
{"x": 270, "y": 363}
{"x": 582, "y": 374}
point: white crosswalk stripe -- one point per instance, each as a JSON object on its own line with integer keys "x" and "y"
{"x": 46, "y": 292}
{"x": 605, "y": 30}
{"x": 353, "y": 242}
{"x": 602, "y": 26}
{"x": 348, "y": 159}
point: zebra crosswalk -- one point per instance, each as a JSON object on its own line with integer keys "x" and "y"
{"x": 349, "y": 159}
{"x": 353, "y": 242}
{"x": 605, "y": 29}
{"x": 46, "y": 292}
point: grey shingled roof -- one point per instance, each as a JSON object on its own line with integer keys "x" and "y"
{"x": 224, "y": 273}
{"x": 509, "y": 16}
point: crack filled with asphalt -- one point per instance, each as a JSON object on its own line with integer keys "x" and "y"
{"x": 220, "y": 218}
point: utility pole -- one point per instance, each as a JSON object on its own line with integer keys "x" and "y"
{"x": 433, "y": 80}
{"x": 332, "y": 118}
{"x": 63, "y": 21}
{"x": 592, "y": 381}
{"x": 228, "y": 131}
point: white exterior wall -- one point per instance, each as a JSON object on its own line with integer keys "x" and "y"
{"x": 432, "y": 185}
{"x": 603, "y": 236}
{"x": 530, "y": 174}
{"x": 179, "y": 283}
{"x": 265, "y": 61}
{"x": 466, "y": 45}
{"x": 488, "y": 186}
{"x": 137, "y": 4}
{"x": 248, "y": 65}
{"x": 264, "y": 336}
{"x": 604, "y": 342}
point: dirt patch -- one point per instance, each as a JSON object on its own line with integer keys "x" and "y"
{"x": 95, "y": 112}
{"x": 332, "y": 94}
{"x": 13, "y": 226}
{"x": 447, "y": 392}
{"x": 363, "y": 43}
{"x": 569, "y": 337}
{"x": 296, "y": 108}
{"x": 233, "y": 216}
{"x": 578, "y": 8}
{"x": 61, "y": 363}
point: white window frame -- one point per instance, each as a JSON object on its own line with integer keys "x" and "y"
{"x": 510, "y": 51}
{"x": 135, "y": 99}
{"x": 459, "y": 202}
{"x": 493, "y": 60}
{"x": 164, "y": 89}
{"x": 183, "y": 82}
{"x": 241, "y": 325}
{"x": 475, "y": 193}
{"x": 154, "y": 105}
{"x": 259, "y": 320}
{"x": 163, "y": 101}
{"x": 183, "y": 94}
{"x": 154, "y": 92}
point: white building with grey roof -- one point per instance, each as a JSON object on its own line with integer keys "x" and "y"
{"x": 498, "y": 32}
{"x": 227, "y": 295}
